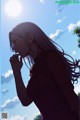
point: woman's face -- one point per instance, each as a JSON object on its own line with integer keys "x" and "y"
{"x": 19, "y": 46}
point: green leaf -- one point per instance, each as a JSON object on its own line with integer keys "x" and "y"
{"x": 76, "y": 30}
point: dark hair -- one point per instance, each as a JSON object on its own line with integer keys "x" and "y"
{"x": 73, "y": 67}
{"x": 46, "y": 44}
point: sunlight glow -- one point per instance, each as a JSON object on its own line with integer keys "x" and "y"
{"x": 13, "y": 8}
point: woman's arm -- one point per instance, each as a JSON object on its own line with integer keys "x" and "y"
{"x": 58, "y": 70}
{"x": 20, "y": 87}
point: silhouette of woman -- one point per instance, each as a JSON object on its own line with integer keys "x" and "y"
{"x": 51, "y": 73}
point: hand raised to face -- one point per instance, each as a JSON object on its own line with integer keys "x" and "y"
{"x": 16, "y": 62}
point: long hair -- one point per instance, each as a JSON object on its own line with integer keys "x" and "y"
{"x": 46, "y": 44}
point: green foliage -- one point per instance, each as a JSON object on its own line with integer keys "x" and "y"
{"x": 38, "y": 117}
{"x": 79, "y": 94}
{"x": 79, "y": 42}
{"x": 77, "y": 32}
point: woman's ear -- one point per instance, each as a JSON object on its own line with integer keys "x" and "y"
{"x": 30, "y": 38}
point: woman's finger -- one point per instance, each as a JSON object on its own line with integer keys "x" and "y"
{"x": 14, "y": 57}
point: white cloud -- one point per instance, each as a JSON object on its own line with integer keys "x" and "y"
{"x": 77, "y": 89}
{"x": 78, "y": 23}
{"x": 8, "y": 73}
{"x": 18, "y": 117}
{"x": 58, "y": 11}
{"x": 74, "y": 52}
{"x": 56, "y": 34}
{"x": 72, "y": 26}
{"x": 10, "y": 103}
{"x": 7, "y": 77}
{"x": 42, "y": 1}
{"x": 61, "y": 20}
{"x": 61, "y": 7}
{"x": 4, "y": 91}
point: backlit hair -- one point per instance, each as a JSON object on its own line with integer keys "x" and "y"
{"x": 46, "y": 44}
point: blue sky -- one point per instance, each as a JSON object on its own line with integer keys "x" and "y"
{"x": 58, "y": 22}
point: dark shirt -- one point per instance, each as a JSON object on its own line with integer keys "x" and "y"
{"x": 45, "y": 90}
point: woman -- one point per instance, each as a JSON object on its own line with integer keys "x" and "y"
{"x": 50, "y": 86}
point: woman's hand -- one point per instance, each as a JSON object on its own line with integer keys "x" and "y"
{"x": 16, "y": 63}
